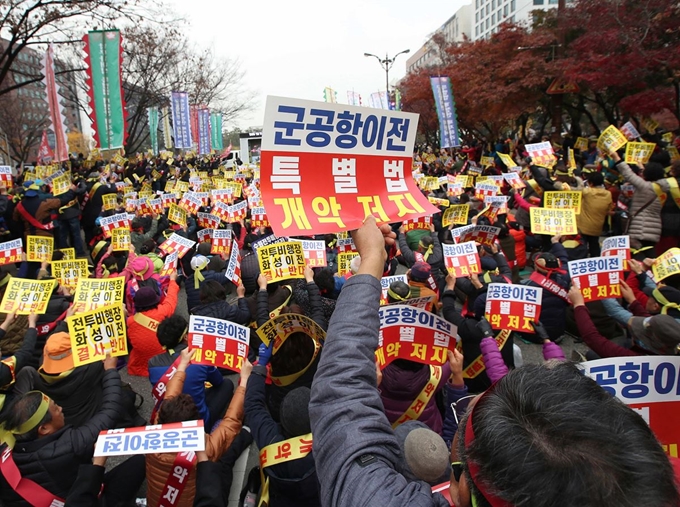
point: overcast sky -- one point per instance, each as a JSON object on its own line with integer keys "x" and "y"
{"x": 297, "y": 48}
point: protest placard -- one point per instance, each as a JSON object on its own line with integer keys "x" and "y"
{"x": 324, "y": 166}
{"x": 496, "y": 179}
{"x": 581, "y": 144}
{"x": 617, "y": 246}
{"x": 482, "y": 234}
{"x": 61, "y": 185}
{"x": 69, "y": 272}
{"x": 96, "y": 333}
{"x": 189, "y": 203}
{"x": 186, "y": 437}
{"x": 611, "y": 140}
{"x": 647, "y": 384}
{"x": 454, "y": 189}
{"x": 507, "y": 160}
{"x": 39, "y": 248}
{"x": 667, "y": 264}
{"x": 345, "y": 243}
{"x": 462, "y": 259}
{"x": 177, "y": 215}
{"x": 258, "y": 217}
{"x": 218, "y": 342}
{"x": 156, "y": 206}
{"x": 456, "y": 214}
{"x": 344, "y": 262}
{"x": 205, "y": 235}
{"x": 109, "y": 201}
{"x": 650, "y": 125}
{"x": 272, "y": 239}
{"x": 563, "y": 200}
{"x": 233, "y": 271}
{"x": 176, "y": 243}
{"x": 281, "y": 261}
{"x": 10, "y": 252}
{"x": 120, "y": 240}
{"x": 597, "y": 277}
{"x": 630, "y": 132}
{"x": 639, "y": 153}
{"x": 487, "y": 161}
{"x": 315, "y": 253}
{"x": 236, "y": 212}
{"x": 168, "y": 199}
{"x": 93, "y": 293}
{"x": 385, "y": 283}
{"x": 208, "y": 220}
{"x": 483, "y": 190}
{"x": 673, "y": 152}
{"x": 69, "y": 253}
{"x": 26, "y": 296}
{"x": 169, "y": 264}
{"x": 418, "y": 224}
{"x": 443, "y": 203}
{"x": 541, "y": 154}
{"x": 411, "y": 333}
{"x": 513, "y": 307}
{"x": 221, "y": 242}
{"x": 118, "y": 221}
{"x": 464, "y": 179}
{"x": 553, "y": 221}
{"x": 424, "y": 303}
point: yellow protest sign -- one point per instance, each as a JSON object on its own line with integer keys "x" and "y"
{"x": 281, "y": 261}
{"x": 177, "y": 215}
{"x": 429, "y": 183}
{"x": 674, "y": 153}
{"x": 235, "y": 186}
{"x": 68, "y": 272}
{"x": 487, "y": 161}
{"x": 650, "y": 125}
{"x": 439, "y": 202}
{"x": 639, "y": 153}
{"x": 170, "y": 186}
{"x": 611, "y": 139}
{"x": 94, "y": 293}
{"x": 69, "y": 253}
{"x": 181, "y": 186}
{"x": 563, "y": 200}
{"x": 39, "y": 248}
{"x": 465, "y": 180}
{"x": 571, "y": 161}
{"x": 667, "y": 137}
{"x": 553, "y": 221}
{"x": 109, "y": 201}
{"x": 507, "y": 160}
{"x": 667, "y": 264}
{"x": 98, "y": 332}
{"x": 120, "y": 239}
{"x": 344, "y": 261}
{"x": 61, "y": 184}
{"x": 581, "y": 144}
{"x": 26, "y": 296}
{"x": 456, "y": 214}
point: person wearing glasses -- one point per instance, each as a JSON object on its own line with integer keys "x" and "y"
{"x": 543, "y": 435}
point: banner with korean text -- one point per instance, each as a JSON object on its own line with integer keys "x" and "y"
{"x": 26, "y": 296}
{"x": 617, "y": 246}
{"x": 597, "y": 277}
{"x": 446, "y": 111}
{"x": 650, "y": 385}
{"x": 462, "y": 259}
{"x": 385, "y": 283}
{"x": 563, "y": 200}
{"x": 185, "y": 436}
{"x": 181, "y": 121}
{"x": 315, "y": 253}
{"x": 96, "y": 333}
{"x": 281, "y": 261}
{"x": 666, "y": 264}
{"x": 325, "y": 167}
{"x": 203, "y": 131}
{"x": 218, "y": 342}
{"x": 553, "y": 221}
{"x": 414, "y": 334}
{"x": 93, "y": 293}
{"x": 10, "y": 252}
{"x": 513, "y": 307}
{"x": 176, "y": 243}
{"x": 69, "y": 272}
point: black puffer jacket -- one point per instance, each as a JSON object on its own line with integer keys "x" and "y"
{"x": 53, "y": 461}
{"x": 238, "y": 313}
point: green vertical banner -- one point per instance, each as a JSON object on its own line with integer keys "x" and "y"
{"x": 216, "y": 131}
{"x": 104, "y": 55}
{"x": 153, "y": 128}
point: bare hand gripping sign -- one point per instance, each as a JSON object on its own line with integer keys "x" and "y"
{"x": 326, "y": 166}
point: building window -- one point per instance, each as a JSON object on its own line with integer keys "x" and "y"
{"x": 498, "y": 14}
{"x": 553, "y": 2}
{"x": 493, "y": 4}
{"x": 487, "y": 23}
{"x": 512, "y": 5}
{"x": 476, "y": 17}
{"x": 505, "y": 10}
{"x": 538, "y": 2}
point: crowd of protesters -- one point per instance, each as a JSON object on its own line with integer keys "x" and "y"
{"x": 512, "y": 434}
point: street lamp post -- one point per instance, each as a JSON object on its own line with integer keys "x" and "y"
{"x": 386, "y": 64}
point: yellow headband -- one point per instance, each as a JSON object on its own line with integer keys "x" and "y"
{"x": 665, "y": 304}
{"x": 37, "y": 416}
{"x": 428, "y": 251}
{"x": 97, "y": 248}
{"x": 396, "y": 296}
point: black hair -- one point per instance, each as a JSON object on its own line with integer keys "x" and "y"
{"x": 653, "y": 171}
{"x": 57, "y": 255}
{"x": 21, "y": 410}
{"x": 295, "y": 353}
{"x": 399, "y": 288}
{"x": 578, "y": 445}
{"x": 177, "y": 409}
{"x": 405, "y": 364}
{"x": 211, "y": 291}
{"x": 249, "y": 240}
{"x": 427, "y": 241}
{"x": 170, "y": 330}
{"x": 595, "y": 178}
{"x": 325, "y": 280}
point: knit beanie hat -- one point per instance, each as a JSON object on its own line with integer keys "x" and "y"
{"x": 421, "y": 271}
{"x": 426, "y": 457}
{"x": 146, "y": 297}
{"x": 295, "y": 412}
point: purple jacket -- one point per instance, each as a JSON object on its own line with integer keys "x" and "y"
{"x": 495, "y": 367}
{"x": 552, "y": 350}
{"x": 400, "y": 388}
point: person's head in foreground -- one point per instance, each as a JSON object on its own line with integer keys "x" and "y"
{"x": 546, "y": 435}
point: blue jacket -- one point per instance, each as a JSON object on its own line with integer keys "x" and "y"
{"x": 196, "y": 377}
{"x": 348, "y": 421}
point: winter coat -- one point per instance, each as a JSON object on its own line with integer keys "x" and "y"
{"x": 11, "y": 340}
{"x": 238, "y": 313}
{"x": 452, "y": 394}
{"x": 22, "y": 357}
{"x": 520, "y": 246}
{"x": 158, "y": 261}
{"x": 400, "y": 388}
{"x": 193, "y": 293}
{"x": 347, "y": 415}
{"x": 137, "y": 238}
{"x": 159, "y": 466}
{"x": 435, "y": 259}
{"x": 595, "y": 206}
{"x": 144, "y": 340}
{"x": 644, "y": 225}
{"x": 250, "y": 270}
{"x": 52, "y": 461}
{"x": 41, "y": 209}
{"x": 93, "y": 208}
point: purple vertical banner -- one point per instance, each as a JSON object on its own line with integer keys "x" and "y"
{"x": 181, "y": 120}
{"x": 204, "y": 131}
{"x": 446, "y": 110}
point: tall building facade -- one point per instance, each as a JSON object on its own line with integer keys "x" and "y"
{"x": 490, "y": 14}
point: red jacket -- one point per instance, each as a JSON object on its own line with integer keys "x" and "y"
{"x": 520, "y": 247}
{"x": 144, "y": 340}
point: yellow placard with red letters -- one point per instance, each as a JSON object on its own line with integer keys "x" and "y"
{"x": 96, "y": 333}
